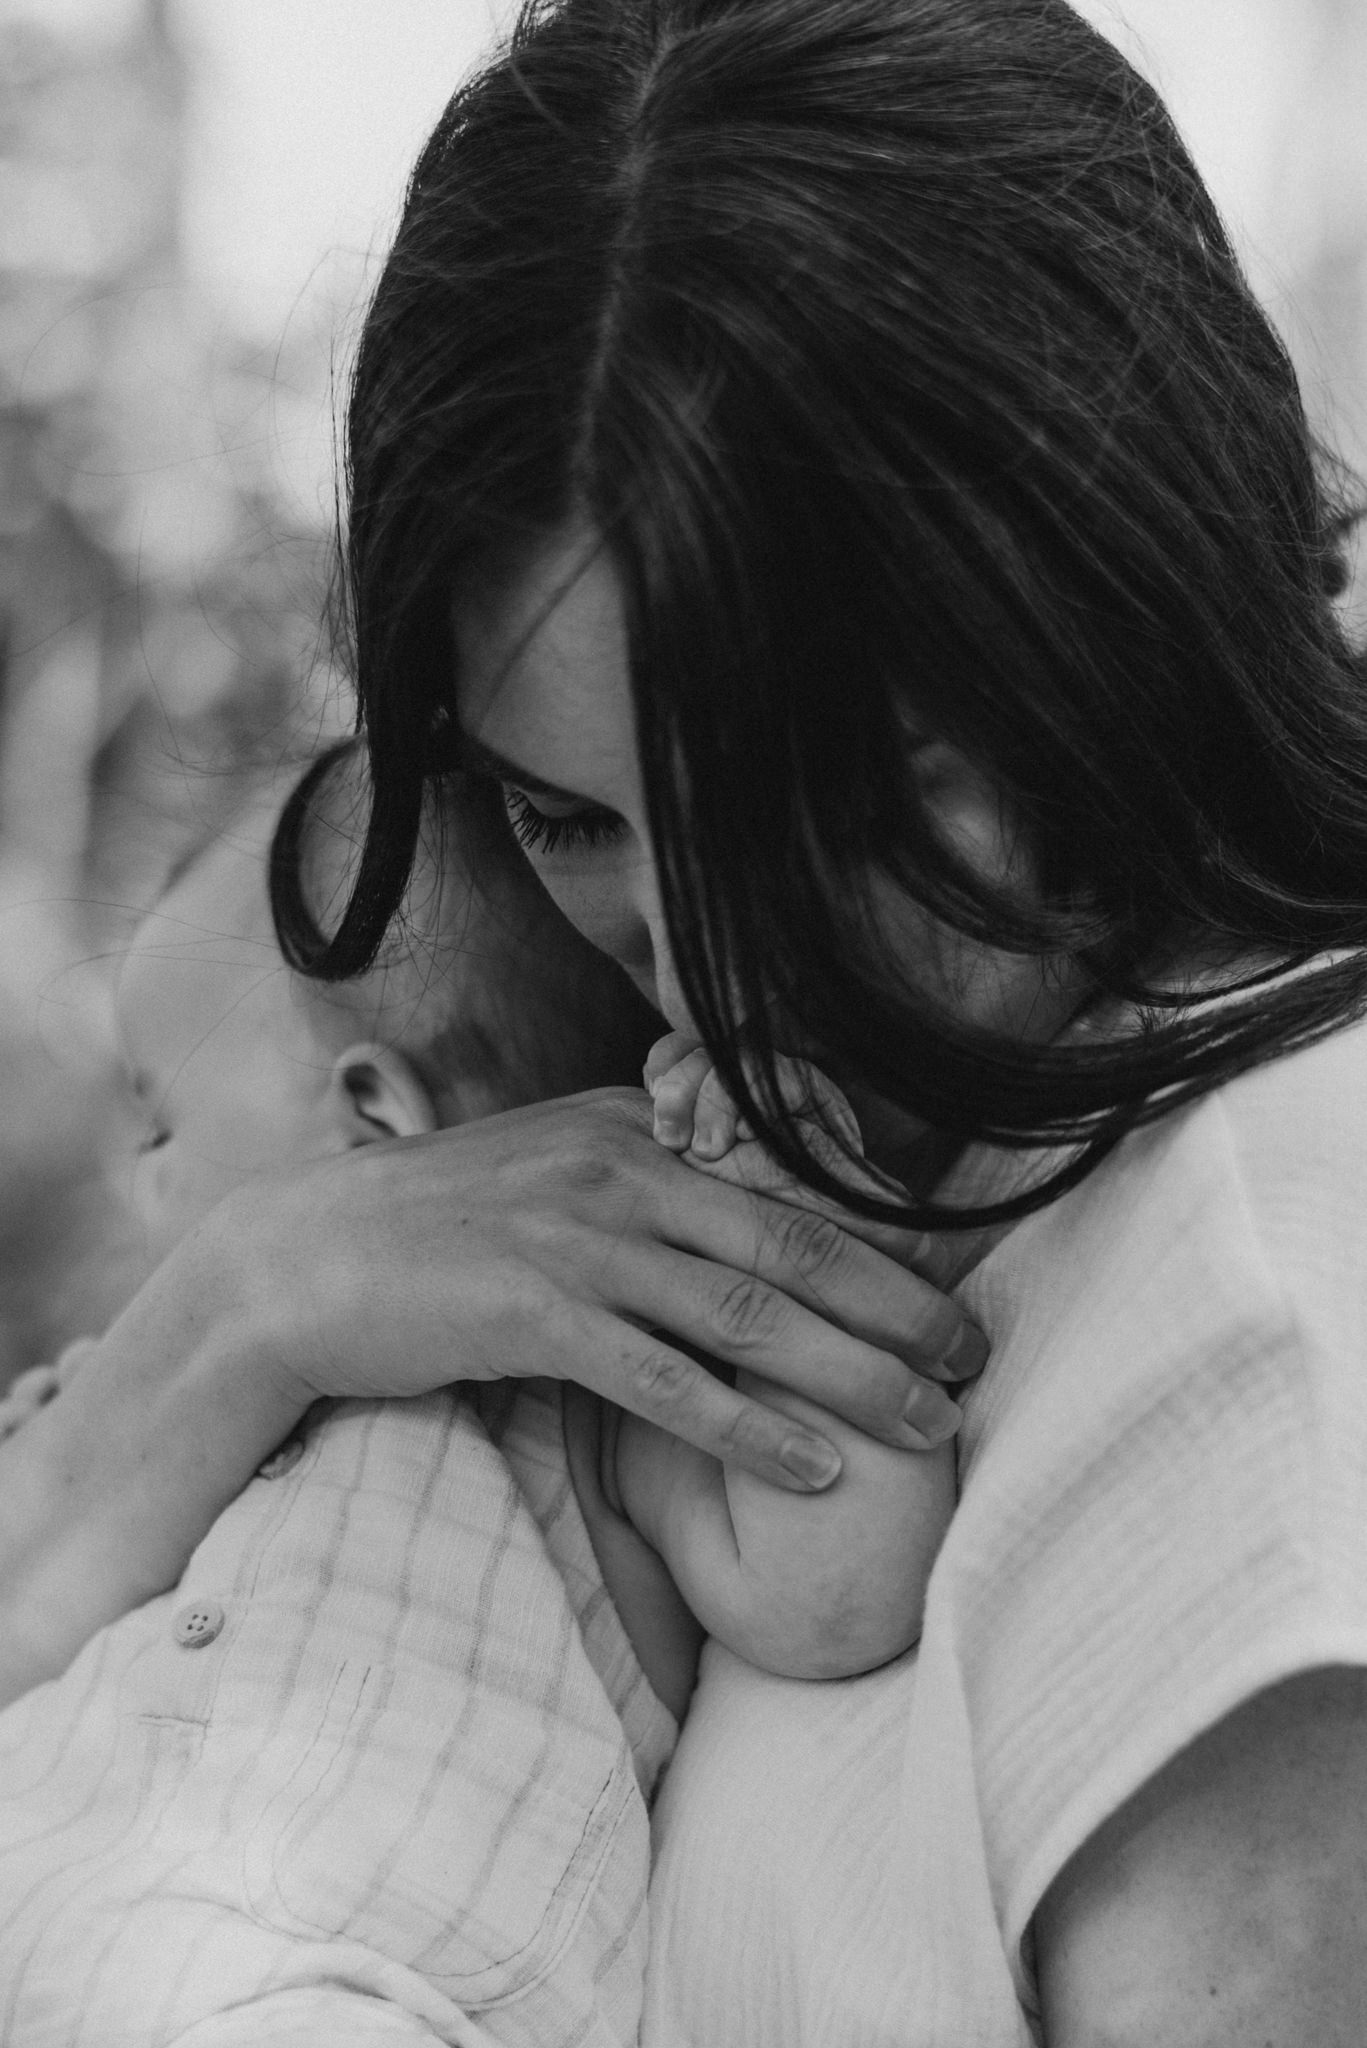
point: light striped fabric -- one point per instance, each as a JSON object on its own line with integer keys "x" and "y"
{"x": 1163, "y": 1509}
{"x": 400, "y": 1795}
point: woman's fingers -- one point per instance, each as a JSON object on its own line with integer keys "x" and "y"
{"x": 643, "y": 1371}
{"x": 813, "y": 1254}
{"x": 794, "y": 1289}
{"x": 748, "y": 1319}
{"x": 750, "y": 1166}
{"x": 873, "y": 1279}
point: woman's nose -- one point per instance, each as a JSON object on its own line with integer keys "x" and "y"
{"x": 648, "y": 956}
{"x": 669, "y": 996}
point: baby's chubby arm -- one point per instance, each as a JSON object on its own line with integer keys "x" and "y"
{"x": 822, "y": 1586}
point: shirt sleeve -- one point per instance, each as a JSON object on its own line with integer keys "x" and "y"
{"x": 1164, "y": 1500}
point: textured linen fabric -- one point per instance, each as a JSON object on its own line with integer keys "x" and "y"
{"x": 399, "y": 1796}
{"x": 1163, "y": 1509}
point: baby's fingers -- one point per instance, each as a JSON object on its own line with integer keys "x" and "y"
{"x": 675, "y": 1096}
{"x": 666, "y": 1053}
{"x": 715, "y": 1125}
{"x": 804, "y": 1091}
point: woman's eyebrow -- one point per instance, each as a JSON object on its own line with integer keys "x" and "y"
{"x": 480, "y": 759}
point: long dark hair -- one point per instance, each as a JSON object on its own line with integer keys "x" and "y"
{"x": 899, "y": 356}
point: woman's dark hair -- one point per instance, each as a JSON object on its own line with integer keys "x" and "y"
{"x": 900, "y": 358}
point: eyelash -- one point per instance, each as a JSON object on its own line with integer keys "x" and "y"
{"x": 576, "y": 829}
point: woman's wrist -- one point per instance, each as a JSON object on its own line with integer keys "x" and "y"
{"x": 195, "y": 1380}
{"x": 106, "y": 1491}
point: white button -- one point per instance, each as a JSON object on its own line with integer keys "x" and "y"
{"x": 283, "y": 1459}
{"x": 198, "y": 1623}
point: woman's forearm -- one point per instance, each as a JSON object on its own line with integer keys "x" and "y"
{"x": 105, "y": 1492}
{"x": 1224, "y": 1903}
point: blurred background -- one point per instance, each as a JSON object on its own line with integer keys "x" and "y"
{"x": 193, "y": 196}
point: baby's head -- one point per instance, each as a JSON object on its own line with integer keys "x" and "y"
{"x": 483, "y": 1000}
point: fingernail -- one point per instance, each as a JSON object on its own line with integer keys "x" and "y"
{"x": 811, "y": 1460}
{"x": 708, "y": 1141}
{"x": 967, "y": 1355}
{"x": 930, "y": 1417}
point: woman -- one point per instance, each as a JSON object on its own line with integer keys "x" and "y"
{"x": 820, "y": 458}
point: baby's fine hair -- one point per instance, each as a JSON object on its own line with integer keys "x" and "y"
{"x": 480, "y": 982}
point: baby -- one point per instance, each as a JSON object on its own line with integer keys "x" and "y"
{"x": 377, "y": 1769}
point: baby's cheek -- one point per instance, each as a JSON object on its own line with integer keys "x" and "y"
{"x": 166, "y": 1205}
{"x": 175, "y": 1189}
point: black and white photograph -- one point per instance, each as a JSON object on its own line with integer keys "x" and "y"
{"x": 683, "y": 1023}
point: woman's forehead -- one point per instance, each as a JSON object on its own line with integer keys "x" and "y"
{"x": 542, "y": 668}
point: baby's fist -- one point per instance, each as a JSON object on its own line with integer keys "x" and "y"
{"x": 694, "y": 1110}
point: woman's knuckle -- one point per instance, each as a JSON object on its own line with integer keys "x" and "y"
{"x": 595, "y": 1165}
{"x": 746, "y": 1436}
{"x": 748, "y": 1312}
{"x": 663, "y": 1379}
{"x": 813, "y": 1244}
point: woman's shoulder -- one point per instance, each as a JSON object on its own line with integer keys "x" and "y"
{"x": 1264, "y": 1178}
{"x": 1164, "y": 1468}
{"x": 1230, "y": 1231}
{"x": 1304, "y": 1113}
{"x": 1177, "y": 1343}
{"x": 1256, "y": 1180}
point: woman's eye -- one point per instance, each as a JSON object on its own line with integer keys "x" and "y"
{"x": 551, "y": 833}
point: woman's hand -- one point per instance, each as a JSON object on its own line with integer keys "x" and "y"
{"x": 561, "y": 1240}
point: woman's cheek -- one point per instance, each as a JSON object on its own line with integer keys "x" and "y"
{"x": 611, "y": 897}
{"x": 590, "y": 897}
{"x": 624, "y": 938}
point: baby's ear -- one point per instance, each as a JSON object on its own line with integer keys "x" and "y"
{"x": 378, "y": 1093}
